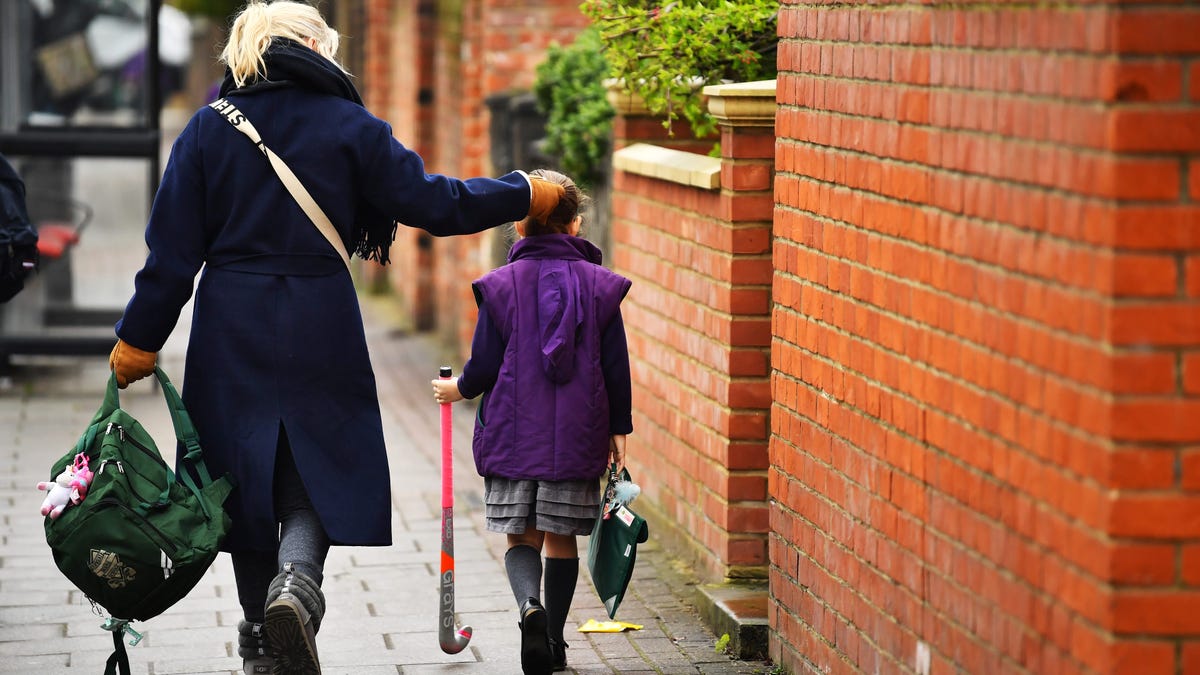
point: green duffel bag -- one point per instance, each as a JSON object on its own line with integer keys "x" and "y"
{"x": 143, "y": 535}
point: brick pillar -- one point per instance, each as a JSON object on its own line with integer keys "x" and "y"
{"x": 1152, "y": 132}
{"x": 986, "y": 390}
{"x": 693, "y": 233}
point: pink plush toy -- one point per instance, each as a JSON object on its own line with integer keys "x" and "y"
{"x": 70, "y": 487}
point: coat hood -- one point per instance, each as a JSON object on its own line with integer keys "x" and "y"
{"x": 559, "y": 306}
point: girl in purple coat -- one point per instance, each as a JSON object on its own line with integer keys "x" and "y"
{"x": 550, "y": 359}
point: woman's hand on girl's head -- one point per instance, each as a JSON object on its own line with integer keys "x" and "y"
{"x": 446, "y": 391}
{"x": 616, "y": 451}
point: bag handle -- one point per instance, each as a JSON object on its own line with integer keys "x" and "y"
{"x": 238, "y": 119}
{"x": 185, "y": 433}
{"x": 610, "y": 489}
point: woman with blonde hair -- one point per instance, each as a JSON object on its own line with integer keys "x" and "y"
{"x": 277, "y": 378}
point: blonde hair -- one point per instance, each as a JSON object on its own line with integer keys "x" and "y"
{"x": 259, "y": 22}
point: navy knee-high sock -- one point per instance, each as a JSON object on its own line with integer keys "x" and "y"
{"x": 561, "y": 576}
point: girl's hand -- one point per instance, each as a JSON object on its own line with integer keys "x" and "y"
{"x": 446, "y": 391}
{"x": 616, "y": 451}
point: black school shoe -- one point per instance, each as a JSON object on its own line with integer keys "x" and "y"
{"x": 558, "y": 655}
{"x": 535, "y": 645}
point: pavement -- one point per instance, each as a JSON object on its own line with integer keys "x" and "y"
{"x": 382, "y": 602}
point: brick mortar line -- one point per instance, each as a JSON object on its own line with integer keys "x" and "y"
{"x": 946, "y": 454}
{"x": 699, "y": 511}
{"x": 1179, "y": 255}
{"x": 1078, "y": 244}
{"x": 690, "y": 214}
{"x": 1068, "y": 562}
{"x": 1027, "y": 322}
{"x": 863, "y": 635}
{"x": 1105, "y": 57}
{"x": 1022, "y": 320}
{"x": 1058, "y": 424}
{"x": 709, "y": 460}
{"x": 691, "y": 272}
{"x": 1183, "y": 103}
{"x": 992, "y": 225}
{"x": 687, "y": 327}
{"x": 686, "y": 388}
{"x": 689, "y": 243}
{"x": 925, "y": 607}
{"x": 702, "y": 309}
{"x": 1114, "y": 204}
{"x": 696, "y": 215}
{"x": 669, "y": 263}
{"x": 1182, "y": 155}
{"x": 928, "y": 568}
{"x": 1061, "y": 7}
{"x": 1069, "y": 520}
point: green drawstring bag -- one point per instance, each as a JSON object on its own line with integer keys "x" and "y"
{"x": 612, "y": 548}
{"x": 142, "y": 536}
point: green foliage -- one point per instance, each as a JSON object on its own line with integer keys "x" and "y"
{"x": 570, "y": 92}
{"x": 665, "y": 54}
{"x": 722, "y": 644}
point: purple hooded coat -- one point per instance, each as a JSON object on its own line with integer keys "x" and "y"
{"x": 549, "y": 412}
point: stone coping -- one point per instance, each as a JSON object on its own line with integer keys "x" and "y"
{"x": 747, "y": 104}
{"x": 676, "y": 166}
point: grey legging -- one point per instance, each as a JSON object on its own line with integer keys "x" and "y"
{"x": 302, "y": 539}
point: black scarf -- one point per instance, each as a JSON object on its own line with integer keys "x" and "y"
{"x": 290, "y": 64}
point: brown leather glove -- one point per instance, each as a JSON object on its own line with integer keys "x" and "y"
{"x": 130, "y": 363}
{"x": 543, "y": 198}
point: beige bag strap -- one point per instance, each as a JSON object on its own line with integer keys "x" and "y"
{"x": 238, "y": 119}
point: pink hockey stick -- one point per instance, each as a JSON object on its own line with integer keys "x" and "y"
{"x": 452, "y": 641}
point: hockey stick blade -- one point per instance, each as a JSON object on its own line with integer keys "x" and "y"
{"x": 451, "y": 640}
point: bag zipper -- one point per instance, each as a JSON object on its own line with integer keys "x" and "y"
{"x": 154, "y": 481}
{"x": 110, "y": 461}
{"x": 132, "y": 441}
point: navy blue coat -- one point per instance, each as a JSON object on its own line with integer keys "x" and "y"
{"x": 277, "y": 338}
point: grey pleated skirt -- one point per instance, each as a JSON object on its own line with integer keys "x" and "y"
{"x": 561, "y": 507}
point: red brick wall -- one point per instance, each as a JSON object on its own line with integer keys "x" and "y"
{"x": 698, "y": 323}
{"x": 987, "y": 321}
{"x": 461, "y": 52}
{"x": 404, "y": 37}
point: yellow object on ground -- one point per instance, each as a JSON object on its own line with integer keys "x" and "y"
{"x": 594, "y": 626}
